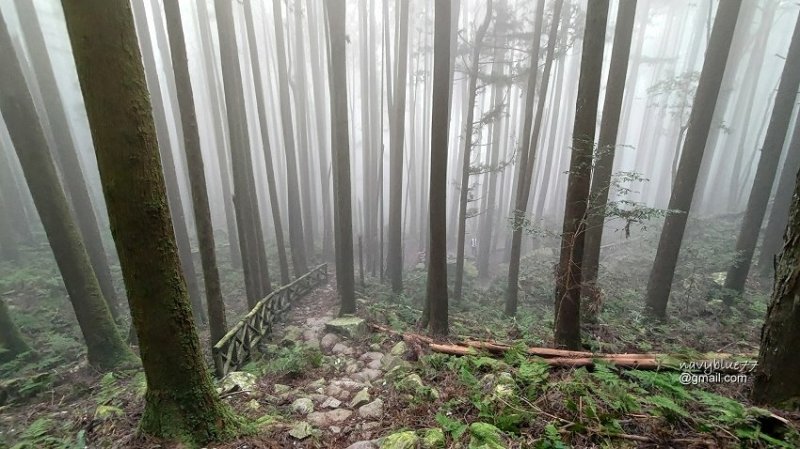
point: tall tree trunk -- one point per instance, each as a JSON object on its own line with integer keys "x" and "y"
{"x": 394, "y": 259}
{"x": 767, "y": 168}
{"x": 318, "y": 77}
{"x": 9, "y": 244}
{"x": 13, "y": 196}
{"x": 167, "y": 159}
{"x": 440, "y": 111}
{"x": 220, "y": 139}
{"x": 105, "y": 346}
{"x": 296, "y": 233}
{"x": 609, "y": 128}
{"x": 272, "y": 187}
{"x": 568, "y": 283}
{"x": 180, "y": 402}
{"x": 367, "y": 144}
{"x": 67, "y": 154}
{"x": 775, "y": 380}
{"x": 463, "y": 198}
{"x": 663, "y": 271}
{"x": 340, "y": 155}
{"x": 779, "y": 215}
{"x": 11, "y": 341}
{"x": 197, "y": 176}
{"x": 247, "y": 216}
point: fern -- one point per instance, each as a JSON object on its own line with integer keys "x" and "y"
{"x": 667, "y": 407}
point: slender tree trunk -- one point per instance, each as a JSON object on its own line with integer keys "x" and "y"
{"x": 167, "y": 159}
{"x": 67, "y": 154}
{"x": 779, "y": 215}
{"x": 767, "y": 168}
{"x": 9, "y": 245}
{"x": 13, "y": 196}
{"x": 11, "y": 340}
{"x": 474, "y": 71}
{"x": 340, "y": 155}
{"x": 220, "y": 139}
{"x": 296, "y": 233}
{"x": 609, "y": 128}
{"x": 247, "y": 216}
{"x": 775, "y": 380}
{"x": 106, "y": 348}
{"x": 568, "y": 282}
{"x": 660, "y": 282}
{"x": 394, "y": 259}
{"x": 440, "y": 110}
{"x": 197, "y": 176}
{"x": 180, "y": 402}
{"x": 283, "y": 261}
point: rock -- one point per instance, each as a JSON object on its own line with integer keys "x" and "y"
{"x": 373, "y": 410}
{"x": 400, "y": 440}
{"x": 319, "y": 383}
{"x": 325, "y": 419}
{"x": 433, "y": 439}
{"x": 238, "y": 381}
{"x": 375, "y": 364}
{"x": 506, "y": 379}
{"x": 411, "y": 382}
{"x": 371, "y": 356}
{"x": 341, "y": 348}
{"x": 348, "y": 327}
{"x": 348, "y": 384}
{"x": 318, "y": 398}
{"x": 361, "y": 398}
{"x": 253, "y": 404}
{"x": 485, "y": 436}
{"x": 390, "y": 362}
{"x": 303, "y": 406}
{"x": 281, "y": 389}
{"x": 310, "y": 335}
{"x": 363, "y": 445}
{"x": 351, "y": 368}
{"x": 335, "y": 429}
{"x": 376, "y": 347}
{"x": 399, "y": 349}
{"x": 331, "y": 403}
{"x": 291, "y": 335}
{"x": 301, "y": 430}
{"x": 328, "y": 341}
{"x": 369, "y": 425}
{"x": 337, "y": 392}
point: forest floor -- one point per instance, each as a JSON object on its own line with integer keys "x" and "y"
{"x": 313, "y": 388}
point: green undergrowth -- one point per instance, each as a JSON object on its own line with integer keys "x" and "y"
{"x": 531, "y": 405}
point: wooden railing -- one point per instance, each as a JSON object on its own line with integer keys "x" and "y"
{"x": 234, "y": 349}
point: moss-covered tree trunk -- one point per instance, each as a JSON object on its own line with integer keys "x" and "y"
{"x": 181, "y": 402}
{"x": 11, "y": 342}
{"x": 106, "y": 348}
{"x": 9, "y": 246}
{"x": 197, "y": 176}
{"x": 340, "y": 155}
{"x": 775, "y": 380}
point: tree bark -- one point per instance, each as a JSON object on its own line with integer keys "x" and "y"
{"x": 663, "y": 271}
{"x": 436, "y": 291}
{"x": 105, "y": 346}
{"x": 167, "y": 159}
{"x": 775, "y": 380}
{"x": 463, "y": 198}
{"x": 197, "y": 176}
{"x": 180, "y": 402}
{"x": 767, "y": 168}
{"x": 609, "y": 128}
{"x": 340, "y": 155}
{"x": 296, "y": 233}
{"x": 67, "y": 154}
{"x": 394, "y": 259}
{"x": 11, "y": 342}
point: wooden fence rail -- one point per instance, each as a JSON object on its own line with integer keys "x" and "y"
{"x": 234, "y": 349}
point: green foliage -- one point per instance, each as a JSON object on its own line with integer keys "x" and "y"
{"x": 39, "y": 435}
{"x": 550, "y": 439}
{"x": 451, "y": 426}
{"x": 286, "y": 362}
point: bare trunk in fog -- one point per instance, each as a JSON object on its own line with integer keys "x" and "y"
{"x": 67, "y": 154}
{"x": 474, "y": 71}
{"x": 167, "y": 160}
{"x": 105, "y": 346}
{"x": 296, "y": 233}
{"x": 9, "y": 244}
{"x": 606, "y": 145}
{"x": 767, "y": 168}
{"x": 669, "y": 245}
{"x": 440, "y": 110}
{"x": 569, "y": 277}
{"x": 197, "y": 176}
{"x": 340, "y": 155}
{"x": 12, "y": 192}
{"x": 779, "y": 215}
{"x": 272, "y": 187}
{"x": 394, "y": 259}
{"x": 247, "y": 217}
